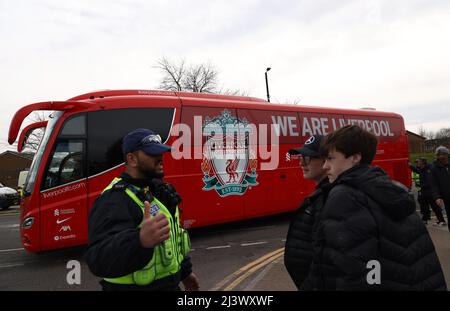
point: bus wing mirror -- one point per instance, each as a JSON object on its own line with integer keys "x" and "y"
{"x": 27, "y": 132}
{"x": 23, "y": 112}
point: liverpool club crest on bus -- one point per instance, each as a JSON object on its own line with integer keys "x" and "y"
{"x": 229, "y": 164}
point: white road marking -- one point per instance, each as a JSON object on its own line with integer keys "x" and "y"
{"x": 10, "y": 226}
{"x": 217, "y": 247}
{"x": 10, "y": 213}
{"x": 11, "y": 250}
{"x": 254, "y": 243}
{"x": 275, "y": 240}
{"x": 11, "y": 265}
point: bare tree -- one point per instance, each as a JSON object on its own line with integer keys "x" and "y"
{"x": 173, "y": 75}
{"x": 199, "y": 78}
{"x": 443, "y": 133}
{"x": 425, "y": 133}
{"x": 195, "y": 78}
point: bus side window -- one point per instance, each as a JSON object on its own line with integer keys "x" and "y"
{"x": 66, "y": 165}
{"x": 104, "y": 142}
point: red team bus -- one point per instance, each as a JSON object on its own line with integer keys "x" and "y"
{"x": 80, "y": 154}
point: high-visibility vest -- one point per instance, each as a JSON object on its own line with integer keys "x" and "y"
{"x": 168, "y": 255}
{"x": 416, "y": 179}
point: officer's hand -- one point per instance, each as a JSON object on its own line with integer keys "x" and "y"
{"x": 440, "y": 203}
{"x": 154, "y": 229}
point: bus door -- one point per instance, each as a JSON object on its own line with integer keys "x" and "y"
{"x": 276, "y": 179}
{"x": 63, "y": 195}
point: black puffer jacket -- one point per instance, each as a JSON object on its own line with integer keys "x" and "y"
{"x": 426, "y": 178}
{"x": 298, "y": 253}
{"x": 368, "y": 217}
{"x": 441, "y": 181}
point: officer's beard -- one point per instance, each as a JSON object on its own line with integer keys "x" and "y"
{"x": 150, "y": 174}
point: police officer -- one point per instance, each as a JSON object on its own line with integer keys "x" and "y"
{"x": 415, "y": 174}
{"x": 136, "y": 241}
{"x": 425, "y": 196}
{"x": 424, "y": 207}
{"x": 441, "y": 180}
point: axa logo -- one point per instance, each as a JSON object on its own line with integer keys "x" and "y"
{"x": 65, "y": 229}
{"x": 229, "y": 166}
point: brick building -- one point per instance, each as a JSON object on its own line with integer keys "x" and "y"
{"x": 416, "y": 142}
{"x": 11, "y": 164}
{"x": 432, "y": 144}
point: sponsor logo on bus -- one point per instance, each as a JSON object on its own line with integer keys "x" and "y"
{"x": 64, "y": 190}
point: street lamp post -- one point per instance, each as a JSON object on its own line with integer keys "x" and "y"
{"x": 267, "y": 85}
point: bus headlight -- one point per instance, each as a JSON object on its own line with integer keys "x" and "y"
{"x": 28, "y": 222}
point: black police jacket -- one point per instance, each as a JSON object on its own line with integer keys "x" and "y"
{"x": 114, "y": 248}
{"x": 298, "y": 253}
{"x": 368, "y": 217}
{"x": 441, "y": 181}
{"x": 426, "y": 179}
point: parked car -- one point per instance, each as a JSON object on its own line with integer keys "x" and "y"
{"x": 8, "y": 197}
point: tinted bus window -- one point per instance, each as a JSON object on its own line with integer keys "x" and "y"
{"x": 66, "y": 165}
{"x": 75, "y": 126}
{"x": 106, "y": 129}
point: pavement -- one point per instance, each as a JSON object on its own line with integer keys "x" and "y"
{"x": 274, "y": 277}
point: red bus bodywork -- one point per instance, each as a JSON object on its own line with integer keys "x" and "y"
{"x": 56, "y": 217}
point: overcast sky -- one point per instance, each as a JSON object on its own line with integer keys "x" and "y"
{"x": 389, "y": 55}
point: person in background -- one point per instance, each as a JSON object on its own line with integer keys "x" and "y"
{"x": 441, "y": 180}
{"x": 425, "y": 197}
{"x": 415, "y": 176}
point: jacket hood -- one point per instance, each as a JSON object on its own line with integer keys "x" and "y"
{"x": 391, "y": 196}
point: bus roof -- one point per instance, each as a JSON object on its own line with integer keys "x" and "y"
{"x": 114, "y": 93}
{"x": 102, "y": 97}
{"x": 204, "y": 99}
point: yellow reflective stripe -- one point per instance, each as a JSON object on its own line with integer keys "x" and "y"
{"x": 127, "y": 280}
{"x": 115, "y": 181}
